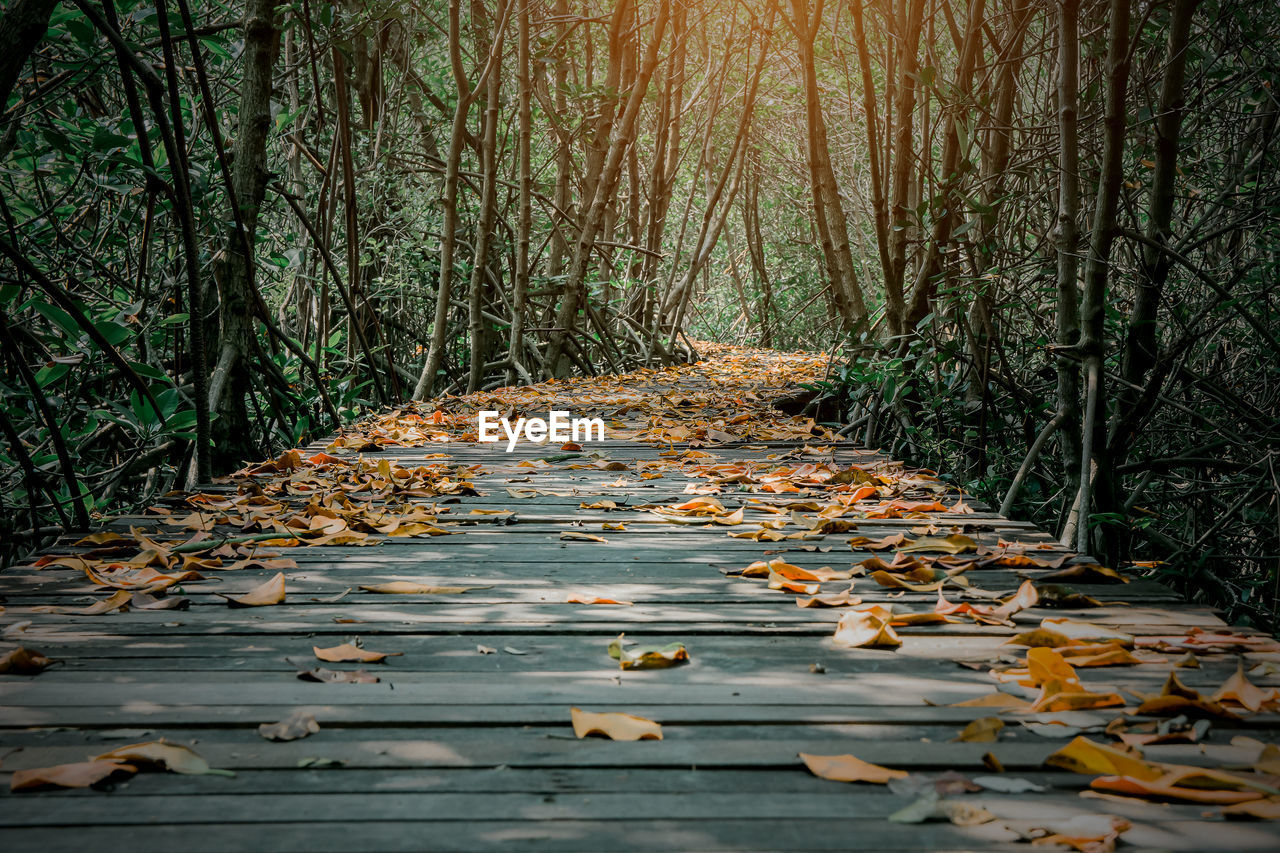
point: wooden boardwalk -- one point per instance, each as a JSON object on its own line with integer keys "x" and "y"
{"x": 465, "y": 742}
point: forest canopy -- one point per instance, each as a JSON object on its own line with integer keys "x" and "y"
{"x": 1038, "y": 239}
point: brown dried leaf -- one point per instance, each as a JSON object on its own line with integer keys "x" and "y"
{"x": 81, "y": 774}
{"x": 268, "y": 593}
{"x": 297, "y": 725}
{"x": 349, "y": 653}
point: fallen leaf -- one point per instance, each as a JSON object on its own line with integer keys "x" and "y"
{"x": 1087, "y": 573}
{"x": 585, "y": 598}
{"x": 994, "y": 700}
{"x": 81, "y": 774}
{"x": 956, "y": 543}
{"x": 1084, "y": 756}
{"x": 349, "y": 653}
{"x": 1239, "y": 690}
{"x": 173, "y": 757}
{"x": 981, "y": 730}
{"x": 297, "y": 725}
{"x": 615, "y": 726}
{"x": 1264, "y": 809}
{"x": 1007, "y": 784}
{"x": 574, "y": 536}
{"x": 24, "y": 661}
{"x": 271, "y": 592}
{"x": 843, "y": 599}
{"x": 866, "y": 626}
{"x": 1085, "y": 833}
{"x": 647, "y": 657}
{"x": 846, "y": 768}
{"x": 333, "y": 676}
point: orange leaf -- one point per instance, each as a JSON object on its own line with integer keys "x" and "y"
{"x": 271, "y": 592}
{"x": 866, "y": 626}
{"x": 846, "y": 768}
{"x": 585, "y": 598}
{"x": 615, "y": 726}
{"x": 1241, "y": 691}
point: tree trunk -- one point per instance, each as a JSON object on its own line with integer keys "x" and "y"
{"x": 828, "y": 211}
{"x": 575, "y": 295}
{"x": 1095, "y": 474}
{"x": 1067, "y": 239}
{"x": 484, "y": 226}
{"x": 521, "y": 284}
{"x": 1140, "y": 346}
{"x": 22, "y": 26}
{"x": 249, "y": 176}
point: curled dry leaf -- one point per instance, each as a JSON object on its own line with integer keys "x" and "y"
{"x": 297, "y": 725}
{"x": 1085, "y": 756}
{"x": 81, "y": 774}
{"x": 956, "y": 543}
{"x": 847, "y": 768}
{"x": 615, "y": 726}
{"x": 574, "y": 536}
{"x": 1007, "y": 784}
{"x": 930, "y": 808}
{"x": 271, "y": 592}
{"x": 843, "y": 599}
{"x": 868, "y": 625}
{"x": 647, "y": 657}
{"x": 1085, "y": 833}
{"x": 333, "y": 676}
{"x": 1165, "y": 789}
{"x": 777, "y": 581}
{"x": 859, "y": 543}
{"x": 981, "y": 730}
{"x": 24, "y": 661}
{"x": 1240, "y": 691}
{"x": 173, "y": 757}
{"x": 1264, "y": 809}
{"x": 1088, "y": 573}
{"x": 994, "y": 700}
{"x": 350, "y": 653}
{"x": 586, "y": 598}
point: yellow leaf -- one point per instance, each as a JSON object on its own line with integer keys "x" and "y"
{"x": 1084, "y": 756}
{"x": 615, "y": 726}
{"x": 981, "y": 730}
{"x": 173, "y": 757}
{"x": 846, "y": 768}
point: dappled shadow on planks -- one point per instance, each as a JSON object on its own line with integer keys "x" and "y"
{"x": 465, "y": 741}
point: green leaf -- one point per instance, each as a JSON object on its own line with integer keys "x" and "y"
{"x": 114, "y": 332}
{"x": 57, "y": 317}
